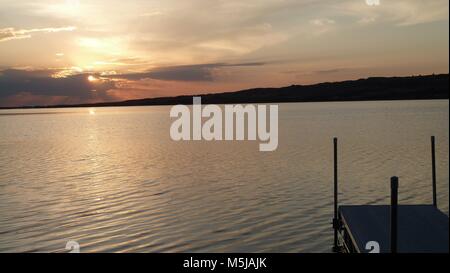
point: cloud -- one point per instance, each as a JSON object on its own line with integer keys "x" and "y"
{"x": 77, "y": 86}
{"x": 198, "y": 72}
{"x": 330, "y": 71}
{"x": 151, "y": 13}
{"x": 44, "y": 83}
{"x": 373, "y": 2}
{"x": 7, "y": 34}
{"x": 399, "y": 12}
{"x": 21, "y": 85}
{"x": 322, "y": 22}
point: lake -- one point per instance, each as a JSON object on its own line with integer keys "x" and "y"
{"x": 114, "y": 181}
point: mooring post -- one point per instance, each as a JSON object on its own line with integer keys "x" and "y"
{"x": 394, "y": 210}
{"x": 335, "y": 219}
{"x": 433, "y": 170}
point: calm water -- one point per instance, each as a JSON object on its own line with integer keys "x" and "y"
{"x": 114, "y": 181}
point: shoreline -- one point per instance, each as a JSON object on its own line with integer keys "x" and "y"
{"x": 144, "y": 105}
{"x": 428, "y": 87}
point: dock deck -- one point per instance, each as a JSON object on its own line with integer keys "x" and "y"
{"x": 390, "y": 228}
{"x": 421, "y": 228}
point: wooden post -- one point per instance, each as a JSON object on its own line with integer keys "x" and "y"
{"x": 394, "y": 210}
{"x": 335, "y": 219}
{"x": 433, "y": 170}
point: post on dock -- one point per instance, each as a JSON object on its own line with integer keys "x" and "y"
{"x": 433, "y": 169}
{"x": 335, "y": 219}
{"x": 394, "y": 210}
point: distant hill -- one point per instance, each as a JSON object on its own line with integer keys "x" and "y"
{"x": 375, "y": 88}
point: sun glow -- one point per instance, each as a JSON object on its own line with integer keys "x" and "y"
{"x": 63, "y": 8}
{"x": 92, "y": 78}
{"x": 91, "y": 111}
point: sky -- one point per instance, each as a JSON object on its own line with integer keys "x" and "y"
{"x": 75, "y": 51}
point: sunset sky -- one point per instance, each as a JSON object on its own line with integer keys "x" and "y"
{"x": 73, "y": 51}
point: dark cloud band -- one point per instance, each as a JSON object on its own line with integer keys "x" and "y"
{"x": 40, "y": 82}
{"x": 198, "y": 72}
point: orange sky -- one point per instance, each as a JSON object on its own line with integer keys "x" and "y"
{"x": 76, "y": 51}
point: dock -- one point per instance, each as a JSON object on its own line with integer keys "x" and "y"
{"x": 392, "y": 228}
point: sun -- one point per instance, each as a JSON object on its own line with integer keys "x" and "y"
{"x": 92, "y": 111}
{"x": 92, "y": 78}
